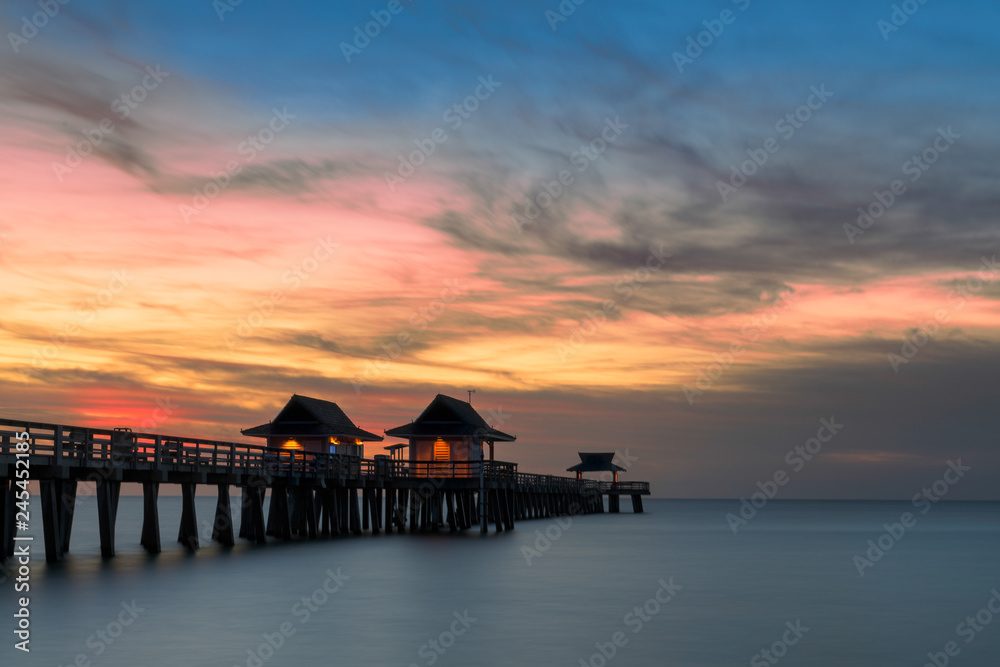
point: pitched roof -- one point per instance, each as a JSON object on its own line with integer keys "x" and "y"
{"x": 303, "y": 415}
{"x": 447, "y": 416}
{"x": 595, "y": 462}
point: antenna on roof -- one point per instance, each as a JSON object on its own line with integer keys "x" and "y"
{"x": 471, "y": 392}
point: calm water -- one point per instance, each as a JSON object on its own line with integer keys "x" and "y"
{"x": 482, "y": 603}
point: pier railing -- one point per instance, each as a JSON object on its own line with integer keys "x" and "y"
{"x": 493, "y": 470}
{"x": 120, "y": 448}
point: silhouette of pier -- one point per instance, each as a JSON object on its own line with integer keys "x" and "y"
{"x": 312, "y": 494}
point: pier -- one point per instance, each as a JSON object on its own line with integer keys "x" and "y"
{"x": 312, "y": 494}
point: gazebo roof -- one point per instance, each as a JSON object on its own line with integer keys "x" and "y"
{"x": 449, "y": 417}
{"x": 306, "y": 416}
{"x": 596, "y": 462}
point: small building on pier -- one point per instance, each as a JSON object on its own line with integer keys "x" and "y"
{"x": 313, "y": 425}
{"x": 596, "y": 462}
{"x": 449, "y": 430}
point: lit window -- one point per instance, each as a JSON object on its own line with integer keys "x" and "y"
{"x": 291, "y": 444}
{"x": 334, "y": 441}
{"x": 441, "y": 450}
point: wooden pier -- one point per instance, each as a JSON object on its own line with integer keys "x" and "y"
{"x": 312, "y": 494}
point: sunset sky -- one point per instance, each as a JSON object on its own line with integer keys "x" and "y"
{"x": 211, "y": 207}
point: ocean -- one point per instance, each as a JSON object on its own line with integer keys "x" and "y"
{"x": 672, "y": 586}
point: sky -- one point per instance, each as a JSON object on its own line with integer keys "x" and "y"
{"x": 700, "y": 234}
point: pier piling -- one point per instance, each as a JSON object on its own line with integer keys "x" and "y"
{"x": 150, "y": 538}
{"x": 107, "y": 514}
{"x": 187, "y": 534}
{"x": 222, "y": 527}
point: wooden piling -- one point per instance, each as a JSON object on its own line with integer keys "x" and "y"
{"x": 296, "y": 512}
{"x": 68, "y": 509}
{"x": 187, "y": 534}
{"x": 637, "y": 503}
{"x": 150, "y": 538}
{"x": 107, "y": 514}
{"x": 425, "y": 513}
{"x": 377, "y": 511}
{"x": 345, "y": 510}
{"x": 495, "y": 510}
{"x": 365, "y": 508}
{"x": 309, "y": 509}
{"x": 282, "y": 513}
{"x": 401, "y": 510}
{"x": 508, "y": 508}
{"x": 51, "y": 527}
{"x": 7, "y": 513}
{"x": 375, "y": 501}
{"x": 222, "y": 528}
{"x": 452, "y": 519}
{"x": 321, "y": 526}
{"x": 352, "y": 499}
{"x": 460, "y": 510}
{"x": 389, "y": 507}
{"x": 244, "y": 512}
{"x": 255, "y": 527}
{"x": 415, "y": 501}
{"x": 334, "y": 509}
{"x": 272, "y": 512}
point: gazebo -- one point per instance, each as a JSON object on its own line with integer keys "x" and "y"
{"x": 448, "y": 430}
{"x": 596, "y": 462}
{"x": 313, "y": 425}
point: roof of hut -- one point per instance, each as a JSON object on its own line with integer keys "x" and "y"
{"x": 449, "y": 417}
{"x": 596, "y": 462}
{"x": 306, "y": 416}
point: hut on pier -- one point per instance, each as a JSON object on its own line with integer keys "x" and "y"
{"x": 313, "y": 425}
{"x": 596, "y": 462}
{"x": 448, "y": 430}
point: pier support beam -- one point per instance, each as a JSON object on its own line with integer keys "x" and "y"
{"x": 343, "y": 506}
{"x": 253, "y": 513}
{"x": 67, "y": 499}
{"x": 401, "y": 510}
{"x": 637, "y": 503}
{"x": 107, "y": 514}
{"x": 495, "y": 509}
{"x": 481, "y": 506}
{"x": 460, "y": 508}
{"x": 414, "y": 510}
{"x": 150, "y": 539}
{"x": 278, "y": 517}
{"x": 352, "y": 498}
{"x": 375, "y": 500}
{"x": 373, "y": 511}
{"x": 222, "y": 528}
{"x": 507, "y": 508}
{"x": 188, "y": 532}
{"x": 337, "y": 498}
{"x": 308, "y": 501}
{"x": 58, "y": 503}
{"x": 452, "y": 519}
{"x": 7, "y": 511}
{"x": 389, "y": 507}
{"x": 51, "y": 519}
